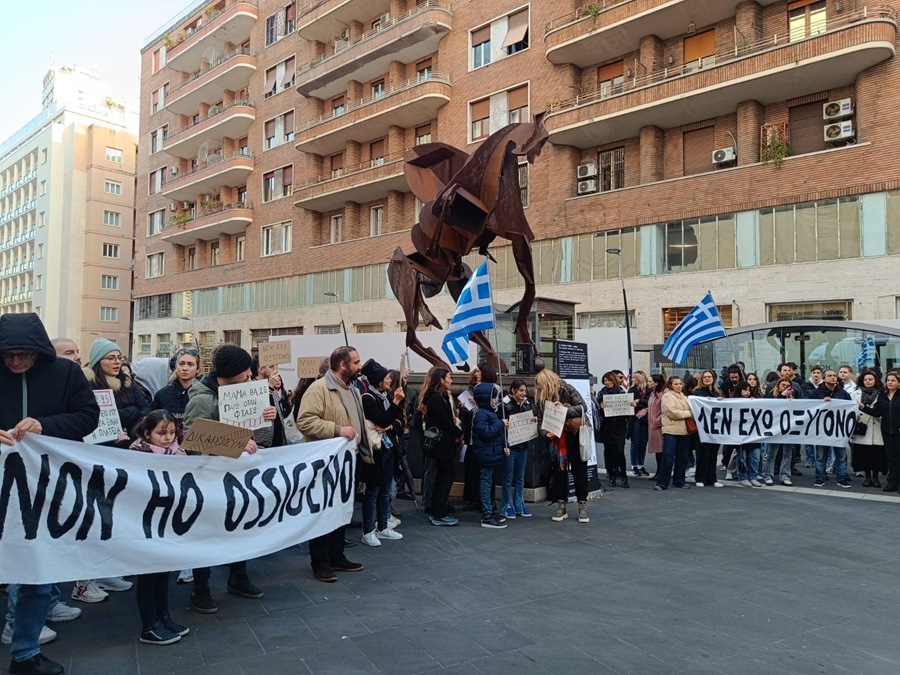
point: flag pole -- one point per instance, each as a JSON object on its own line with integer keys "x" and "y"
{"x": 496, "y": 346}
{"x": 727, "y": 336}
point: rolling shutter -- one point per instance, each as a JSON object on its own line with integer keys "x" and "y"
{"x": 806, "y": 128}
{"x": 698, "y": 150}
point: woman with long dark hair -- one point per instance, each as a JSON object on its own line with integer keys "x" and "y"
{"x": 613, "y": 433}
{"x": 442, "y": 440}
{"x": 654, "y": 421}
{"x": 707, "y": 453}
{"x": 868, "y": 445}
{"x": 514, "y": 480}
{"x": 887, "y": 408}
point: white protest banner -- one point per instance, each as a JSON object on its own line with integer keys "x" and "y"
{"x": 274, "y": 352}
{"x": 71, "y": 509}
{"x": 109, "y": 427}
{"x": 522, "y": 428}
{"x": 554, "y": 418}
{"x": 618, "y": 405}
{"x": 736, "y": 421}
{"x": 243, "y": 404}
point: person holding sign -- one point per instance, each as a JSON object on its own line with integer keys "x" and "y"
{"x": 828, "y": 390}
{"x": 707, "y": 453}
{"x": 514, "y": 478}
{"x": 565, "y": 452}
{"x": 613, "y": 431}
{"x": 675, "y": 413}
{"x": 887, "y": 408}
{"x": 868, "y": 442}
{"x": 42, "y": 394}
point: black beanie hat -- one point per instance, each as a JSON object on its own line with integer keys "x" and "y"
{"x": 231, "y": 360}
{"x": 374, "y": 372}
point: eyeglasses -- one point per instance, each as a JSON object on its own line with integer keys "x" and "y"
{"x": 9, "y": 356}
{"x": 190, "y": 352}
{"x": 113, "y": 359}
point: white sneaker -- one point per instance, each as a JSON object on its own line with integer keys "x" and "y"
{"x": 87, "y": 591}
{"x": 47, "y": 635}
{"x": 185, "y": 577}
{"x": 369, "y": 539}
{"x": 729, "y": 475}
{"x": 61, "y": 612}
{"x": 388, "y": 534}
{"x": 394, "y": 523}
{"x": 718, "y": 484}
{"x": 699, "y": 484}
{"x": 115, "y": 584}
{"x": 746, "y": 483}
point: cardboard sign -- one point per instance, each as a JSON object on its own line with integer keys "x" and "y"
{"x": 554, "y": 418}
{"x": 404, "y": 368}
{"x": 109, "y": 427}
{"x": 618, "y": 405}
{"x": 274, "y": 352}
{"x": 242, "y": 405}
{"x": 308, "y": 367}
{"x": 209, "y": 437}
{"x": 522, "y": 428}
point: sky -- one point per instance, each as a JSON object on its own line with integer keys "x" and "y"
{"x": 104, "y": 34}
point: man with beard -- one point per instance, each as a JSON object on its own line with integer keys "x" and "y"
{"x": 332, "y": 408}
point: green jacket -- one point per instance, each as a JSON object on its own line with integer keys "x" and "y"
{"x": 203, "y": 401}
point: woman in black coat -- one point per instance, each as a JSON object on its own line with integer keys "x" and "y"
{"x": 442, "y": 440}
{"x": 105, "y": 372}
{"x": 887, "y": 407}
{"x": 174, "y": 396}
{"x": 707, "y": 453}
{"x": 613, "y": 432}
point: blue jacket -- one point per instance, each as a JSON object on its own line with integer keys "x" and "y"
{"x": 488, "y": 431}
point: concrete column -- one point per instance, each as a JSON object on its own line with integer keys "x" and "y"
{"x": 652, "y": 154}
{"x": 749, "y": 120}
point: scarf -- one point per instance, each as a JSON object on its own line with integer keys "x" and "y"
{"x": 380, "y": 396}
{"x": 146, "y": 446}
{"x": 868, "y": 396}
{"x": 351, "y": 404}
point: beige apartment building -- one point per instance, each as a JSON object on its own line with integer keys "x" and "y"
{"x": 67, "y": 212}
{"x": 748, "y": 148}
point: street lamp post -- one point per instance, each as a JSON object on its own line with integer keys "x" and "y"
{"x": 331, "y": 294}
{"x": 618, "y": 252}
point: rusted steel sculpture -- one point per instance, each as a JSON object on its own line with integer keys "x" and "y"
{"x": 469, "y": 200}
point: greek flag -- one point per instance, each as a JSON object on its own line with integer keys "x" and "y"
{"x": 474, "y": 311}
{"x": 866, "y": 355}
{"x": 702, "y": 324}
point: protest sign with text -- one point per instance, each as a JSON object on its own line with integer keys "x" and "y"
{"x": 69, "y": 509}
{"x": 308, "y": 367}
{"x": 109, "y": 427}
{"x": 554, "y": 418}
{"x": 618, "y": 405}
{"x": 737, "y": 421}
{"x": 209, "y": 437}
{"x": 522, "y": 428}
{"x": 274, "y": 352}
{"x": 243, "y": 404}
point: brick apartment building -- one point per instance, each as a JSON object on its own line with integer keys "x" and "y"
{"x": 744, "y": 147}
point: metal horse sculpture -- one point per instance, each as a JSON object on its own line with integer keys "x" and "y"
{"x": 469, "y": 200}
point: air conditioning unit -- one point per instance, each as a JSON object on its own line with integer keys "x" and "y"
{"x": 382, "y": 21}
{"x": 173, "y": 207}
{"x": 587, "y": 170}
{"x": 340, "y": 45}
{"x": 724, "y": 156}
{"x": 837, "y": 110}
{"x": 839, "y": 131}
{"x": 185, "y": 206}
{"x": 586, "y": 187}
{"x": 174, "y": 171}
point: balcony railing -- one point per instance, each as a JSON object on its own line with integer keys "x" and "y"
{"x": 245, "y": 51}
{"x": 211, "y": 17}
{"x": 590, "y": 11}
{"x": 221, "y": 208}
{"x": 211, "y": 161}
{"x": 214, "y": 111}
{"x": 403, "y": 16}
{"x": 19, "y": 183}
{"x": 363, "y": 102}
{"x": 742, "y": 49}
{"x": 346, "y": 172}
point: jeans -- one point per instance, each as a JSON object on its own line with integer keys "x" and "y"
{"x": 748, "y": 462}
{"x": 674, "y": 455}
{"x": 377, "y": 499}
{"x": 776, "y": 449}
{"x": 810, "y": 454}
{"x": 13, "y": 590}
{"x": 707, "y": 456}
{"x": 32, "y": 604}
{"x": 486, "y": 490}
{"x": 639, "y": 441}
{"x": 444, "y": 473}
{"x": 152, "y": 592}
{"x": 514, "y": 479}
{"x": 840, "y": 461}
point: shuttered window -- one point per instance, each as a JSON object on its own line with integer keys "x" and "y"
{"x": 806, "y": 128}
{"x": 481, "y": 35}
{"x": 518, "y": 98}
{"x": 698, "y": 149}
{"x": 376, "y": 150}
{"x": 699, "y": 51}
{"x": 481, "y": 111}
{"x": 610, "y": 78}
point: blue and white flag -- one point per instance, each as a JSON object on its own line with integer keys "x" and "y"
{"x": 474, "y": 312}
{"x": 867, "y": 354}
{"x": 702, "y": 324}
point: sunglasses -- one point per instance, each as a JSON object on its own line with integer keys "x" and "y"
{"x": 189, "y": 352}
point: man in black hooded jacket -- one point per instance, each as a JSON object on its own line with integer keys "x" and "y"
{"x": 41, "y": 395}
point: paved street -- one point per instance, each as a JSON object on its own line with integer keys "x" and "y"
{"x": 728, "y": 580}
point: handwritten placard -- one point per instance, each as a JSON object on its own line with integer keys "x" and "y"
{"x": 109, "y": 427}
{"x": 242, "y": 405}
{"x": 554, "y": 418}
{"x": 209, "y": 437}
{"x": 618, "y": 405}
{"x": 308, "y": 367}
{"x": 522, "y": 428}
{"x": 467, "y": 400}
{"x": 274, "y": 352}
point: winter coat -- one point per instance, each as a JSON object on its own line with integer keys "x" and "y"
{"x": 838, "y": 393}
{"x": 322, "y": 412}
{"x": 488, "y": 430}
{"x": 513, "y": 408}
{"x": 58, "y": 396}
{"x": 888, "y": 409}
{"x": 439, "y": 415}
{"x": 173, "y": 398}
{"x": 568, "y": 396}
{"x": 131, "y": 403}
{"x": 390, "y": 419}
{"x": 675, "y": 410}
{"x": 654, "y": 425}
{"x": 613, "y": 429}
{"x": 873, "y": 435}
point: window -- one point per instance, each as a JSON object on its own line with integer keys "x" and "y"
{"x": 144, "y": 342}
{"x": 109, "y": 282}
{"x": 699, "y": 51}
{"x": 112, "y": 187}
{"x": 155, "y": 307}
{"x": 523, "y": 183}
{"x": 336, "y": 165}
{"x": 156, "y": 221}
{"x": 672, "y": 316}
{"x": 377, "y": 90}
{"x": 481, "y": 47}
{"x": 114, "y": 155}
{"x": 368, "y": 328}
{"x": 839, "y": 310}
{"x": 110, "y": 250}
{"x": 109, "y": 314}
{"x": 155, "y": 264}
{"x": 280, "y": 77}
{"x": 163, "y": 344}
{"x": 611, "y": 168}
{"x": 281, "y": 23}
{"x": 806, "y": 18}
{"x": 192, "y": 258}
{"x": 423, "y": 70}
{"x": 517, "y": 33}
{"x": 333, "y": 329}
{"x": 43, "y": 188}
{"x": 240, "y": 249}
{"x": 215, "y": 251}
{"x": 156, "y": 180}
{"x": 480, "y": 113}
{"x": 338, "y": 106}
{"x": 697, "y": 151}
{"x": 276, "y": 239}
{"x": 517, "y": 104}
{"x": 157, "y": 138}
{"x": 376, "y": 220}
{"x": 376, "y": 153}
{"x": 242, "y": 194}
{"x": 279, "y": 131}
{"x": 158, "y": 59}
{"x": 423, "y": 134}
{"x": 611, "y": 79}
{"x": 158, "y": 98}
{"x": 805, "y": 124}
{"x": 278, "y": 183}
{"x": 112, "y": 218}
{"x": 337, "y": 224}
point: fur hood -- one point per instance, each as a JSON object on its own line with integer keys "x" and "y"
{"x": 115, "y": 383}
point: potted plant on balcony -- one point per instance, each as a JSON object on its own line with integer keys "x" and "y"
{"x": 776, "y": 150}
{"x": 169, "y": 41}
{"x": 180, "y": 220}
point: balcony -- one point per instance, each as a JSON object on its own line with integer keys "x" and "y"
{"x": 217, "y": 171}
{"x": 231, "y": 25}
{"x": 220, "y": 122}
{"x": 361, "y": 184}
{"x": 768, "y": 71}
{"x": 408, "y": 37}
{"x": 600, "y": 31}
{"x": 322, "y": 19}
{"x": 225, "y": 219}
{"x": 406, "y": 104}
{"x": 229, "y": 71}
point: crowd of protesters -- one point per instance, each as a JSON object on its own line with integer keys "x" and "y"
{"x": 388, "y": 418}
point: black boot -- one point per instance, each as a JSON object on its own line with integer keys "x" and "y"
{"x": 875, "y": 481}
{"x": 202, "y": 600}
{"x": 624, "y": 480}
{"x": 612, "y": 481}
{"x": 36, "y": 665}
{"x": 241, "y": 585}
{"x": 867, "y": 483}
